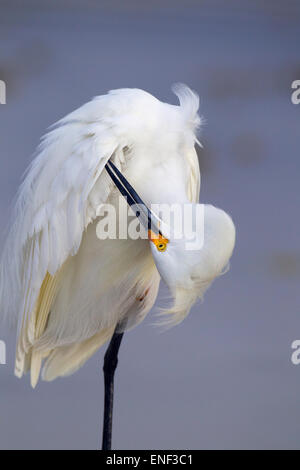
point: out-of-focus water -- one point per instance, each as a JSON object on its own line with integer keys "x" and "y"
{"x": 223, "y": 378}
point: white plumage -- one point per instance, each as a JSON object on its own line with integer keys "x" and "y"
{"x": 67, "y": 288}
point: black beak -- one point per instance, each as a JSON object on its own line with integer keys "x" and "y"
{"x": 148, "y": 219}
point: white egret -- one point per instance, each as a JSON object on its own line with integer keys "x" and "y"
{"x": 71, "y": 292}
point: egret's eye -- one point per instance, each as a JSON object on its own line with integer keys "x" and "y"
{"x": 159, "y": 241}
{"x": 161, "y": 246}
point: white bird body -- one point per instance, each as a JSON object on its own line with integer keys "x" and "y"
{"x": 68, "y": 288}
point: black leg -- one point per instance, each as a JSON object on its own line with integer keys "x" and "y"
{"x": 109, "y": 367}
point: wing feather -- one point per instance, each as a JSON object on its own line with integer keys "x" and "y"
{"x": 53, "y": 208}
{"x": 54, "y": 205}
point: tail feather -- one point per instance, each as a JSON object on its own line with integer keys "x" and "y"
{"x": 65, "y": 360}
{"x": 26, "y": 356}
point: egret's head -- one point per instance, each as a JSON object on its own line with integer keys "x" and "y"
{"x": 189, "y": 253}
{"x": 191, "y": 262}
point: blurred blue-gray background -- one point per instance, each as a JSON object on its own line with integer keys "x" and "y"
{"x": 224, "y": 377}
